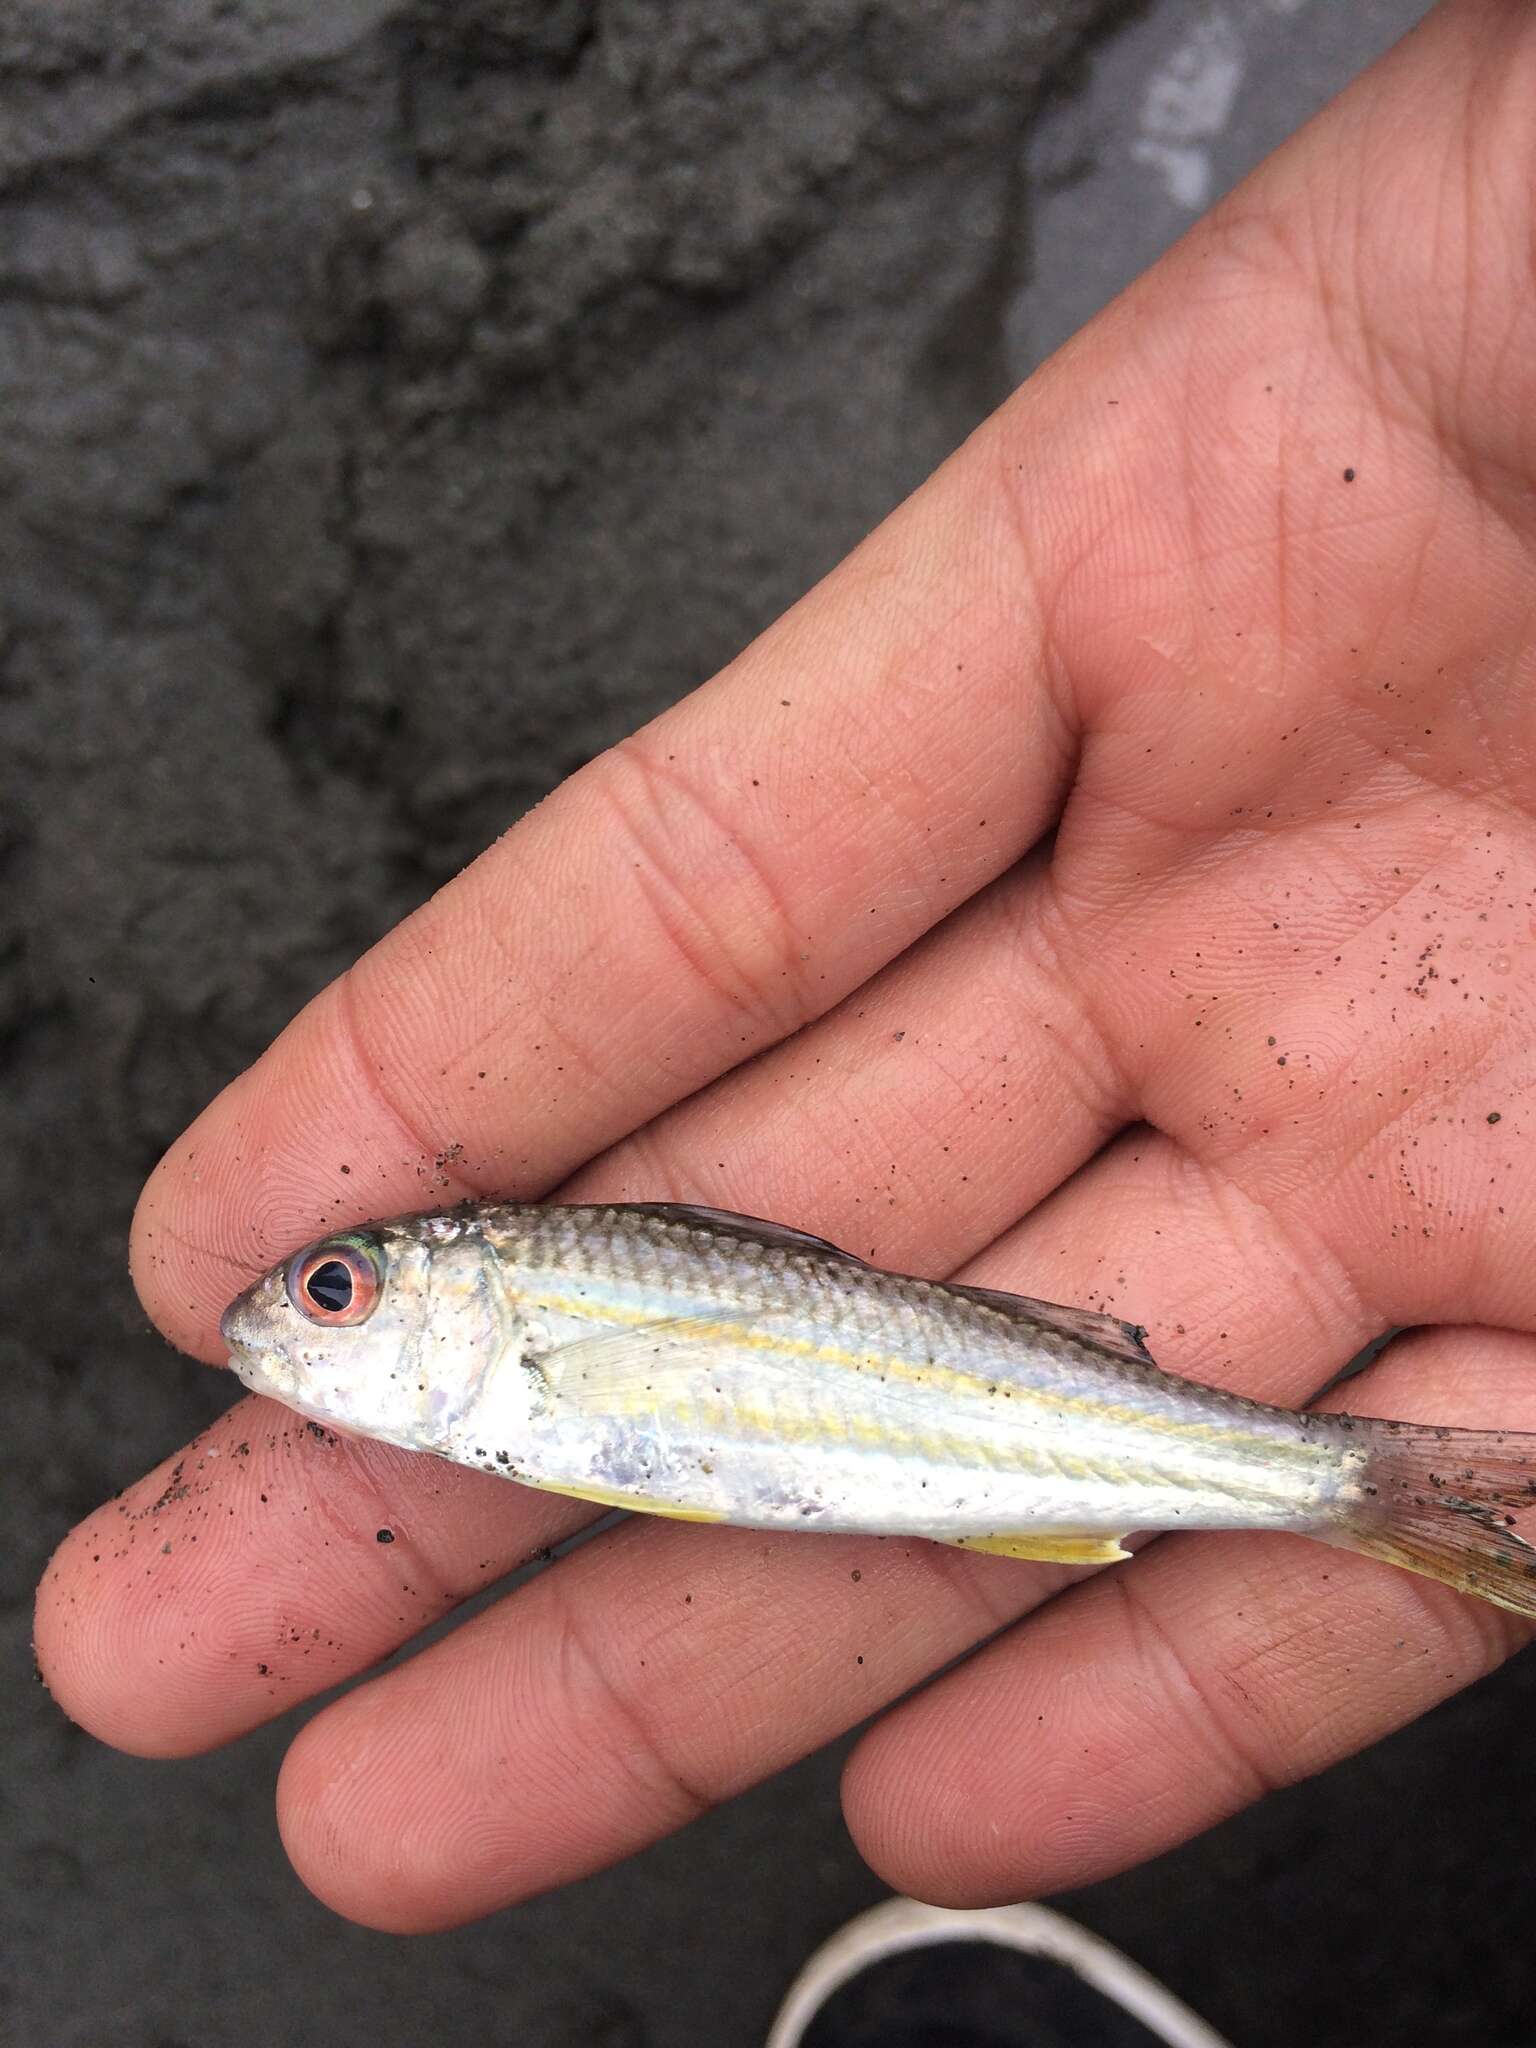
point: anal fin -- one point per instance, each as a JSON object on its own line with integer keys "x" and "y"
{"x": 612, "y": 1497}
{"x": 1047, "y": 1549}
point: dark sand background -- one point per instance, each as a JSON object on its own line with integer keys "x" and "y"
{"x": 400, "y": 401}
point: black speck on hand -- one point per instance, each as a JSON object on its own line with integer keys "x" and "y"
{"x": 1494, "y": 1115}
{"x": 385, "y": 1536}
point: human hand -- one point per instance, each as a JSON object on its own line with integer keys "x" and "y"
{"x": 1233, "y": 600}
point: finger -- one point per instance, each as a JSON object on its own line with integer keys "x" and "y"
{"x": 1148, "y": 1705}
{"x": 918, "y": 1121}
{"x": 264, "y": 1563}
{"x": 644, "y": 1679}
{"x": 664, "y": 1668}
{"x": 695, "y": 894}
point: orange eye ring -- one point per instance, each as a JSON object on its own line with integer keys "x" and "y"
{"x": 336, "y": 1283}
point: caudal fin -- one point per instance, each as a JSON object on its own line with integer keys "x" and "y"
{"x": 1438, "y": 1501}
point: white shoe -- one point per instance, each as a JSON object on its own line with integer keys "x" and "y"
{"x": 905, "y": 1975}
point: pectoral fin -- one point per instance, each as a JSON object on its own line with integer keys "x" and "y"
{"x": 642, "y": 1368}
{"x": 1047, "y": 1549}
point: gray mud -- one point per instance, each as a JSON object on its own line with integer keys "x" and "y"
{"x": 400, "y": 402}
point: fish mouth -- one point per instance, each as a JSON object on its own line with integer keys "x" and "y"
{"x": 253, "y": 1368}
{"x": 253, "y": 1359}
{"x": 241, "y": 1349}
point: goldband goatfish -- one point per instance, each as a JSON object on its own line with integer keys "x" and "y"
{"x": 686, "y": 1362}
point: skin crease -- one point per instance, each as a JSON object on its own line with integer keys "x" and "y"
{"x": 1226, "y": 1057}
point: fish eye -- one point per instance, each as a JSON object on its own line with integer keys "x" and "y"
{"x": 336, "y": 1283}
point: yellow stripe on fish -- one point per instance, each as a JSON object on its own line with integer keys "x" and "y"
{"x": 930, "y": 1376}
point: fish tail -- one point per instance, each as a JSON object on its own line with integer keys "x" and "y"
{"x": 1438, "y": 1501}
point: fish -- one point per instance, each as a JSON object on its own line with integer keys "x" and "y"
{"x": 715, "y": 1368}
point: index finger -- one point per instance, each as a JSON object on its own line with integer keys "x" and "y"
{"x": 693, "y": 895}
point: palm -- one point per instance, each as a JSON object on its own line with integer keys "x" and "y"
{"x": 1239, "y": 1055}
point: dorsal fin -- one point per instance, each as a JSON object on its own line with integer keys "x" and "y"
{"x": 755, "y": 1226}
{"x": 1088, "y": 1326}
{"x": 1109, "y": 1333}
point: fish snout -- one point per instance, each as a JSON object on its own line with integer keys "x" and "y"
{"x": 246, "y": 1326}
{"x": 237, "y": 1325}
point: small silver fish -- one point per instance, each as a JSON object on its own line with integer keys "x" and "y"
{"x": 712, "y": 1367}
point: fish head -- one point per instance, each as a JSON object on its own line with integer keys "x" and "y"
{"x": 384, "y": 1332}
